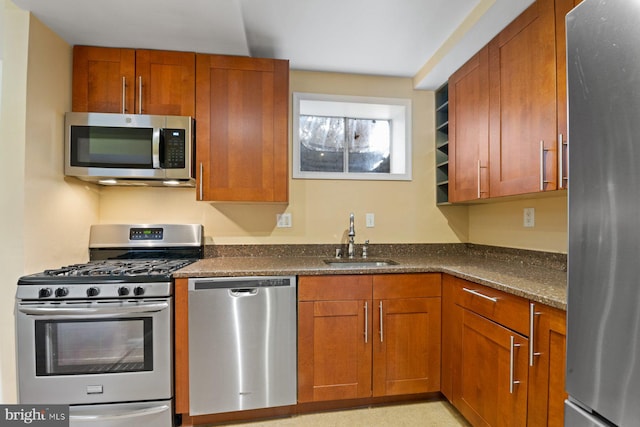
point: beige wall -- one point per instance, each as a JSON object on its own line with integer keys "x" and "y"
{"x": 45, "y": 219}
{"x": 501, "y": 223}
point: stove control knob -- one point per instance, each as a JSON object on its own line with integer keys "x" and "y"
{"x": 123, "y": 291}
{"x": 62, "y": 292}
{"x": 93, "y": 291}
{"x": 44, "y": 293}
{"x": 138, "y": 291}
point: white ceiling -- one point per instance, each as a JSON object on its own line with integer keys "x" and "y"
{"x": 423, "y": 39}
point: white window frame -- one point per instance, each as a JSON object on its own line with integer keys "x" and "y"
{"x": 398, "y": 110}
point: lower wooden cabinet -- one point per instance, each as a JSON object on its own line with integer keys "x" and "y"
{"x": 547, "y": 370}
{"x": 503, "y": 356}
{"x": 364, "y": 336}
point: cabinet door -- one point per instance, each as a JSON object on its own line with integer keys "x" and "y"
{"x": 242, "y": 117}
{"x": 490, "y": 373}
{"x": 469, "y": 130}
{"x": 406, "y": 355}
{"x": 522, "y": 104}
{"x": 334, "y": 338}
{"x": 547, "y": 371}
{"x": 103, "y": 80}
{"x": 165, "y": 83}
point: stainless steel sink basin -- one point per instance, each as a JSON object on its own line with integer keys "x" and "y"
{"x": 359, "y": 263}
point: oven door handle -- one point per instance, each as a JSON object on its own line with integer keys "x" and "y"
{"x": 120, "y": 415}
{"x": 94, "y": 311}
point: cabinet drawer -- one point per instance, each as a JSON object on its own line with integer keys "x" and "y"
{"x": 390, "y": 286}
{"x": 331, "y": 288}
{"x": 505, "y": 309}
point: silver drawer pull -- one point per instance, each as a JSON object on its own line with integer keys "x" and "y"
{"x": 366, "y": 322}
{"x": 476, "y": 293}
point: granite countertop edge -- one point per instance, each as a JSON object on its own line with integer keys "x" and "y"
{"x": 537, "y": 283}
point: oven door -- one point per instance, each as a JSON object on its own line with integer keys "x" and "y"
{"x": 94, "y": 352}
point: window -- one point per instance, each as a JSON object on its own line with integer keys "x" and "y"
{"x": 338, "y": 137}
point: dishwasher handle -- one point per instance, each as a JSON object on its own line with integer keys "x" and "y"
{"x": 243, "y": 292}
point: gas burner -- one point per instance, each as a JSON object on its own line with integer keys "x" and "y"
{"x": 120, "y": 268}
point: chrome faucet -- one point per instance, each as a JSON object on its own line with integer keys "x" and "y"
{"x": 352, "y": 235}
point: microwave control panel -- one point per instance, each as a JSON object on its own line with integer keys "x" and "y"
{"x": 174, "y": 149}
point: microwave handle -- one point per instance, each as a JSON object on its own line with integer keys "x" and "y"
{"x": 156, "y": 142}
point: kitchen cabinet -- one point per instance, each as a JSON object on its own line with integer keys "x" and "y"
{"x": 518, "y": 83}
{"x": 469, "y": 130}
{"x": 364, "y": 336}
{"x": 547, "y": 370}
{"x": 522, "y": 104}
{"x": 442, "y": 145}
{"x": 490, "y": 359}
{"x": 503, "y": 356}
{"x": 242, "y": 108}
{"x": 113, "y": 80}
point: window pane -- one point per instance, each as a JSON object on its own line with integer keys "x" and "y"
{"x": 369, "y": 145}
{"x": 321, "y": 144}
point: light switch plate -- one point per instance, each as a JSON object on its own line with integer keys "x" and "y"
{"x": 283, "y": 220}
{"x": 370, "y": 220}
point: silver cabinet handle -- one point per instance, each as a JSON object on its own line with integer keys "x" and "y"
{"x": 480, "y": 167}
{"x": 124, "y": 94}
{"x": 201, "y": 179}
{"x": 479, "y": 179}
{"x": 561, "y": 177}
{"x": 532, "y": 329}
{"x": 381, "y": 323}
{"x": 512, "y": 381}
{"x": 476, "y": 293}
{"x": 139, "y": 94}
{"x": 366, "y": 322}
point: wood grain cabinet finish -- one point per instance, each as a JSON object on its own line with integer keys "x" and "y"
{"x": 503, "y": 356}
{"x": 522, "y": 104}
{"x": 242, "y": 123}
{"x": 469, "y": 130}
{"x": 547, "y": 371}
{"x": 363, "y": 336}
{"x": 113, "y": 80}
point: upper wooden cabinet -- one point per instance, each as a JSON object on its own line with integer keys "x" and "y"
{"x": 242, "y": 110}
{"x": 522, "y": 104}
{"x": 364, "y": 336}
{"x": 469, "y": 130}
{"x": 112, "y": 80}
{"x": 509, "y": 102}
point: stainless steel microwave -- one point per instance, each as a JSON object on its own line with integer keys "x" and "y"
{"x": 130, "y": 149}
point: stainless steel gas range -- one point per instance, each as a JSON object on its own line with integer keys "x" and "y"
{"x": 98, "y": 336}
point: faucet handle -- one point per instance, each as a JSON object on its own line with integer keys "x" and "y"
{"x": 365, "y": 248}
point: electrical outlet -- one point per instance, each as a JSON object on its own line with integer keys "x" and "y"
{"x": 529, "y": 217}
{"x": 370, "y": 220}
{"x": 283, "y": 220}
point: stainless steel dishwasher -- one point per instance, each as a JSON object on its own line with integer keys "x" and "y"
{"x": 242, "y": 343}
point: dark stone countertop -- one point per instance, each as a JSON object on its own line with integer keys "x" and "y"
{"x": 538, "y": 276}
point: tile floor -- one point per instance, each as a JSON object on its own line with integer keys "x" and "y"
{"x": 428, "y": 414}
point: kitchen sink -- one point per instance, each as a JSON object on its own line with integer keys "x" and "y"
{"x": 359, "y": 263}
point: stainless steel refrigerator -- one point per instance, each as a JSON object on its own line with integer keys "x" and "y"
{"x": 603, "y": 315}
